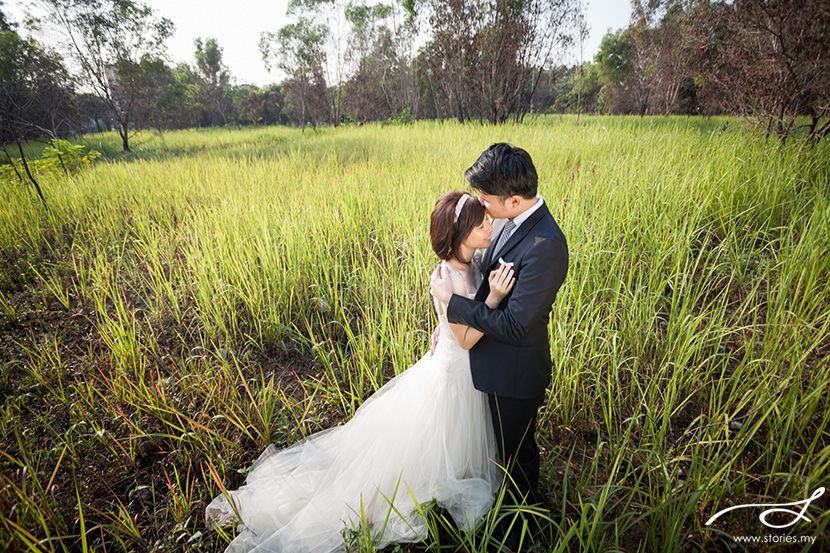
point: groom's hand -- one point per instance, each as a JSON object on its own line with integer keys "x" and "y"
{"x": 441, "y": 287}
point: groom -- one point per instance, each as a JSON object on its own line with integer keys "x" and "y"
{"x": 511, "y": 363}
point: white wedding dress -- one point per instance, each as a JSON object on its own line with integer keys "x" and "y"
{"x": 425, "y": 435}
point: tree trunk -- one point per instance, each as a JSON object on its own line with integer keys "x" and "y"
{"x": 60, "y": 157}
{"x": 28, "y": 172}
{"x": 302, "y": 117}
{"x": 123, "y": 131}
{"x": 816, "y": 132}
{"x": 11, "y": 161}
{"x": 782, "y": 134}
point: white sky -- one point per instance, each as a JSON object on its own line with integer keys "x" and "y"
{"x": 237, "y": 25}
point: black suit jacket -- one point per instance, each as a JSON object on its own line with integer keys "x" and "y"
{"x": 512, "y": 359}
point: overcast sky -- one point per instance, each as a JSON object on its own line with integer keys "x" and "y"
{"x": 236, "y": 25}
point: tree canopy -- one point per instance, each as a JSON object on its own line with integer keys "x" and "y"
{"x": 109, "y": 39}
{"x": 471, "y": 60}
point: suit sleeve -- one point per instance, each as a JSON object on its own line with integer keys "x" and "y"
{"x": 542, "y": 273}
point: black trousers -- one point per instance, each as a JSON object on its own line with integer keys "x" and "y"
{"x": 514, "y": 421}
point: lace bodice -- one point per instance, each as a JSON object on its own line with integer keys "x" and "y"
{"x": 446, "y": 340}
{"x": 471, "y": 282}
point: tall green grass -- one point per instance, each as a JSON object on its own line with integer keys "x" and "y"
{"x": 179, "y": 308}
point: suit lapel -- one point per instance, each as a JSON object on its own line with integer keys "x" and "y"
{"x": 517, "y": 237}
{"x": 498, "y": 226}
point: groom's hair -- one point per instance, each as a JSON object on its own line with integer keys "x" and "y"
{"x": 446, "y": 232}
{"x": 504, "y": 171}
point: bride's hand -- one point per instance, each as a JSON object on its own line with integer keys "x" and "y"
{"x": 501, "y": 282}
{"x": 441, "y": 285}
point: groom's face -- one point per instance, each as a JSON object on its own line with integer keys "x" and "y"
{"x": 496, "y": 207}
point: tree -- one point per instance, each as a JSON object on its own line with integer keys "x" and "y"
{"x": 92, "y": 111}
{"x": 305, "y": 98}
{"x": 500, "y": 74}
{"x": 108, "y": 40}
{"x": 672, "y": 73}
{"x": 564, "y": 89}
{"x": 366, "y": 29}
{"x": 371, "y": 93}
{"x": 706, "y": 37}
{"x": 643, "y": 37}
{"x": 488, "y": 57}
{"x": 328, "y": 16}
{"x": 551, "y": 24}
{"x": 614, "y": 61}
{"x": 451, "y": 53}
{"x": 582, "y": 32}
{"x": 381, "y": 84}
{"x": 34, "y": 89}
{"x": 262, "y": 105}
{"x": 166, "y": 97}
{"x": 426, "y": 87}
{"x": 297, "y": 49}
{"x": 655, "y": 64}
{"x": 775, "y": 63}
{"x": 554, "y": 90}
{"x": 214, "y": 81}
{"x": 664, "y": 54}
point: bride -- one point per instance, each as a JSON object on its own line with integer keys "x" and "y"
{"x": 425, "y": 435}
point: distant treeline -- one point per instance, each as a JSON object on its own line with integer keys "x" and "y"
{"x": 490, "y": 60}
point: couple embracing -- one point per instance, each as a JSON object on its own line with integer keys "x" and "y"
{"x": 452, "y": 426}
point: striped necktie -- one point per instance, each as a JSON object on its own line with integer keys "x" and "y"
{"x": 506, "y": 232}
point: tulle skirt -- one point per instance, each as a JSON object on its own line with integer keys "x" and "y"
{"x": 425, "y": 435}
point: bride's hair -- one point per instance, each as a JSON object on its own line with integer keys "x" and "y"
{"x": 446, "y": 232}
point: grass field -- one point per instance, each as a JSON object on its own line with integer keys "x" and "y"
{"x": 179, "y": 308}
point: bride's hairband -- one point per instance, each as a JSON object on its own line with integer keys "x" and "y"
{"x": 460, "y": 204}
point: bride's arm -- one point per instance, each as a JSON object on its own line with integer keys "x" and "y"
{"x": 466, "y": 336}
{"x": 501, "y": 282}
